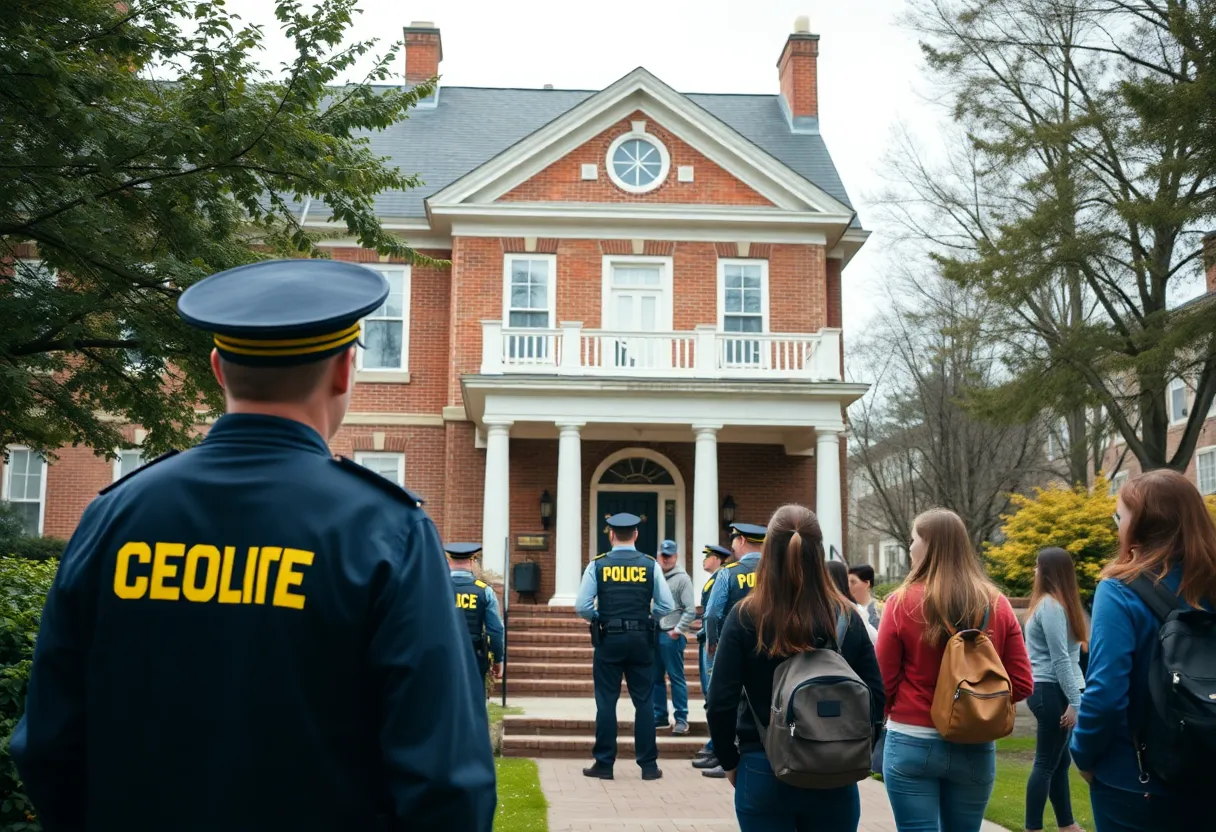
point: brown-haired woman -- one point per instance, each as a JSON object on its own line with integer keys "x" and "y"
{"x": 1055, "y": 630}
{"x": 932, "y": 783}
{"x": 794, "y": 608}
{"x": 1165, "y": 534}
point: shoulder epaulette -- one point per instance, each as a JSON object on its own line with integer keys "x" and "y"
{"x": 402, "y": 494}
{"x": 708, "y": 585}
{"x": 138, "y": 470}
{"x": 731, "y": 565}
{"x": 652, "y": 557}
{"x": 481, "y": 583}
{"x": 601, "y": 555}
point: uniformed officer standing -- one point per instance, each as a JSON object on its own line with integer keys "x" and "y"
{"x": 479, "y": 605}
{"x": 620, "y": 592}
{"x": 734, "y": 581}
{"x": 714, "y": 558}
{"x": 252, "y": 634}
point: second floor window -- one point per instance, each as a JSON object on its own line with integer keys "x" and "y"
{"x": 529, "y": 289}
{"x": 1177, "y": 400}
{"x": 127, "y": 462}
{"x": 1205, "y": 471}
{"x": 25, "y": 487}
{"x": 391, "y": 466}
{"x": 386, "y": 332}
{"x": 743, "y": 305}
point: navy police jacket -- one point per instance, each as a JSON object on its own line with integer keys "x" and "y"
{"x": 253, "y": 635}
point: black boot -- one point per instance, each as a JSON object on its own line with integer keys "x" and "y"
{"x": 652, "y": 773}
{"x": 600, "y": 772}
{"x": 705, "y": 762}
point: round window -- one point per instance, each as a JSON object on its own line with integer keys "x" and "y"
{"x": 637, "y": 162}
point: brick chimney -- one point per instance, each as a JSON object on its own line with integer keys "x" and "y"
{"x": 1209, "y": 259}
{"x": 798, "y": 71}
{"x": 423, "y": 51}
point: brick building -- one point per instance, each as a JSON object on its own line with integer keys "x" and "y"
{"x": 642, "y": 312}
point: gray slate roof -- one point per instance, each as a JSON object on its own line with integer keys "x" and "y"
{"x": 472, "y": 125}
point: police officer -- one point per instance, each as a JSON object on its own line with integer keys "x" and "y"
{"x": 254, "y": 634}
{"x": 714, "y": 558}
{"x": 733, "y": 583}
{"x": 479, "y": 605}
{"x": 620, "y": 591}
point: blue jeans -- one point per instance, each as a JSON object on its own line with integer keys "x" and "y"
{"x": 765, "y": 804}
{"x": 1049, "y": 774}
{"x": 937, "y": 785}
{"x": 1118, "y": 811}
{"x": 669, "y": 661}
{"x": 704, "y": 681}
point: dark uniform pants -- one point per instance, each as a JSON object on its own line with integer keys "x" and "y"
{"x": 630, "y": 655}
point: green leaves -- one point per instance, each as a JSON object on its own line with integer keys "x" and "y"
{"x": 138, "y": 155}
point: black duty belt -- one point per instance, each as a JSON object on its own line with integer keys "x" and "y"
{"x": 624, "y": 625}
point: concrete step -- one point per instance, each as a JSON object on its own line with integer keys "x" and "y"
{"x": 582, "y": 653}
{"x": 676, "y": 749}
{"x": 528, "y": 610}
{"x": 566, "y": 670}
{"x": 534, "y": 623}
{"x": 564, "y": 638}
{"x": 521, "y": 726}
{"x": 569, "y": 687}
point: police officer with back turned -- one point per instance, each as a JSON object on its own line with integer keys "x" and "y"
{"x": 477, "y": 603}
{"x": 252, "y": 634}
{"x": 621, "y": 594}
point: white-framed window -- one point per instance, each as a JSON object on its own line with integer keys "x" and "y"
{"x": 1057, "y": 440}
{"x": 25, "y": 486}
{"x": 637, "y": 161}
{"x": 127, "y": 461}
{"x": 743, "y": 307}
{"x": 1117, "y": 481}
{"x": 529, "y": 301}
{"x": 386, "y": 332}
{"x": 1205, "y": 470}
{"x": 1177, "y": 400}
{"x": 387, "y": 464}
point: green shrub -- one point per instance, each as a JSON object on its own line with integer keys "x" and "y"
{"x": 38, "y": 548}
{"x": 881, "y": 591}
{"x": 12, "y": 527}
{"x": 23, "y": 588}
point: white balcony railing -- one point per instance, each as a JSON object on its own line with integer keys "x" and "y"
{"x": 702, "y": 353}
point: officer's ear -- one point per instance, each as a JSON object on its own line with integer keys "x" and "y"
{"x": 342, "y": 376}
{"x": 217, "y": 368}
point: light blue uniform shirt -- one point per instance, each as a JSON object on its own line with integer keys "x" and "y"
{"x": 494, "y": 628}
{"x": 715, "y": 610}
{"x": 584, "y": 603}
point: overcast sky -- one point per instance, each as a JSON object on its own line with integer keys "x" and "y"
{"x": 868, "y": 69}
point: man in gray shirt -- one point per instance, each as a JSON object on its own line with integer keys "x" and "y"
{"x": 673, "y": 638}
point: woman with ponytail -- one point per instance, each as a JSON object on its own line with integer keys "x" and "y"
{"x": 793, "y": 609}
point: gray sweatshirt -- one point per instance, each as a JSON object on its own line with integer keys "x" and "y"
{"x": 1055, "y": 656}
{"x": 686, "y": 601}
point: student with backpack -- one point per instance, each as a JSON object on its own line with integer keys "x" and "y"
{"x": 1055, "y": 630}
{"x": 953, "y": 666}
{"x": 795, "y": 681}
{"x": 1146, "y": 729}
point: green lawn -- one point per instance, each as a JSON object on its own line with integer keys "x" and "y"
{"x": 497, "y": 712}
{"x": 521, "y": 806}
{"x": 1008, "y": 804}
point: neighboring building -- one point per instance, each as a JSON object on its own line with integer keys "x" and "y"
{"x": 642, "y": 312}
{"x": 869, "y": 541}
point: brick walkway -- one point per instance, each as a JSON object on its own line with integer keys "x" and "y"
{"x": 683, "y": 801}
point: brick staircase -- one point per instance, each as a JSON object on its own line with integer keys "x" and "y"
{"x": 525, "y": 736}
{"x": 549, "y": 653}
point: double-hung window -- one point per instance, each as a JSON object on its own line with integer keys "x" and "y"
{"x": 743, "y": 307}
{"x": 25, "y": 487}
{"x": 529, "y": 300}
{"x": 1205, "y": 470}
{"x": 389, "y": 465}
{"x": 1178, "y": 400}
{"x": 127, "y": 462}
{"x": 386, "y": 331}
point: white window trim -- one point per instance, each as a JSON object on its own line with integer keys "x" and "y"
{"x": 390, "y": 373}
{"x": 1207, "y": 449}
{"x": 723, "y": 262}
{"x": 551, "y": 286}
{"x": 666, "y": 315}
{"x": 1117, "y": 481}
{"x": 7, "y": 486}
{"x": 362, "y": 455}
{"x": 638, "y": 131}
{"x": 1169, "y": 401}
{"x": 118, "y": 460}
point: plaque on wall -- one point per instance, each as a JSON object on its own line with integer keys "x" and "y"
{"x": 532, "y": 541}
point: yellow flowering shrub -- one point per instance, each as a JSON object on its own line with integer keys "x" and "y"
{"x": 1079, "y": 520}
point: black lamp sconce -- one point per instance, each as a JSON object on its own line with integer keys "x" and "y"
{"x": 728, "y": 511}
{"x": 546, "y": 509}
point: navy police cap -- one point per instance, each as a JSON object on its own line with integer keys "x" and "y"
{"x": 624, "y": 520}
{"x": 284, "y": 312}
{"x": 460, "y": 551}
{"x": 750, "y": 532}
{"x": 713, "y": 550}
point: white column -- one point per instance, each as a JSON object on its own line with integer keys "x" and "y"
{"x": 496, "y": 512}
{"x": 827, "y": 488}
{"x": 704, "y": 498}
{"x": 569, "y": 549}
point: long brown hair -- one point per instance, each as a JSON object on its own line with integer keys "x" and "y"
{"x": 1057, "y": 578}
{"x": 794, "y": 599}
{"x": 956, "y": 590}
{"x": 1170, "y": 525}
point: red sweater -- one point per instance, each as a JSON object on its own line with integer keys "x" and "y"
{"x": 909, "y": 664}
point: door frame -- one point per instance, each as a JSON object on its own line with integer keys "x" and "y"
{"x": 665, "y": 318}
{"x": 665, "y": 492}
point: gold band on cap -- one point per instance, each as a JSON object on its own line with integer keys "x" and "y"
{"x": 288, "y": 346}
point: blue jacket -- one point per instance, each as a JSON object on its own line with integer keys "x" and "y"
{"x": 253, "y": 635}
{"x": 1116, "y": 686}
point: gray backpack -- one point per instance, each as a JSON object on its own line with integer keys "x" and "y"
{"x": 820, "y": 725}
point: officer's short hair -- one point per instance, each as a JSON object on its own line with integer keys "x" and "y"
{"x": 274, "y": 384}
{"x": 864, "y": 572}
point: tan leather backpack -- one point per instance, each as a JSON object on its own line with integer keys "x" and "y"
{"x": 973, "y": 702}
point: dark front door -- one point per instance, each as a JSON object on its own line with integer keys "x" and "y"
{"x": 644, "y": 504}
